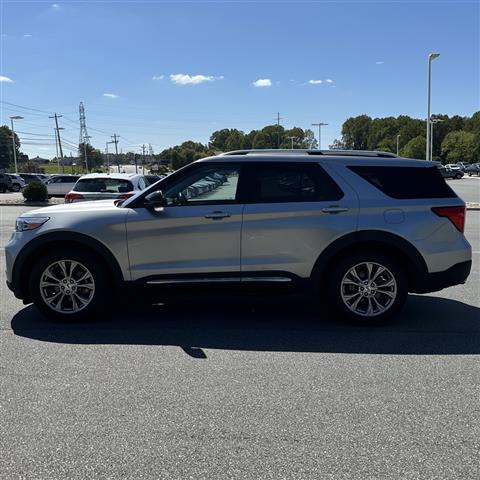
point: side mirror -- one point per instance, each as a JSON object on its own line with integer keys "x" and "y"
{"x": 155, "y": 201}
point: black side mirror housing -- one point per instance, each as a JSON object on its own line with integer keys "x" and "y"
{"x": 155, "y": 201}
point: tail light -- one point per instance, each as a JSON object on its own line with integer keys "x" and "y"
{"x": 123, "y": 196}
{"x": 70, "y": 197}
{"x": 455, "y": 214}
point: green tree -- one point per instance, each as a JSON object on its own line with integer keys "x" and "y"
{"x": 227, "y": 139}
{"x": 235, "y": 141}
{"x": 94, "y": 156}
{"x": 355, "y": 132}
{"x": 337, "y": 145}
{"x": 415, "y": 148}
{"x": 6, "y": 147}
{"x": 261, "y": 141}
{"x": 458, "y": 146}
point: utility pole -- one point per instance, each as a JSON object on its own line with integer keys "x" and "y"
{"x": 16, "y": 117}
{"x": 115, "y": 141}
{"x": 56, "y": 149}
{"x": 143, "y": 158}
{"x": 85, "y": 141}
{"x": 398, "y": 138}
{"x": 57, "y": 129}
{"x": 135, "y": 161}
{"x": 108, "y": 155}
{"x": 319, "y": 125}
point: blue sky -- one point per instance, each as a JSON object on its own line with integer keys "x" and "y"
{"x": 174, "y": 71}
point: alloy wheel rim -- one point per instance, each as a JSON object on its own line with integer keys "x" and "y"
{"x": 368, "y": 289}
{"x": 67, "y": 286}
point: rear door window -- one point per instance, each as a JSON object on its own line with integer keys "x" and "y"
{"x": 290, "y": 182}
{"x": 405, "y": 182}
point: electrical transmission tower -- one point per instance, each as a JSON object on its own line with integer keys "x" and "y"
{"x": 84, "y": 138}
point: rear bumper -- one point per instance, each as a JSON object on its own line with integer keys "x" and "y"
{"x": 432, "y": 282}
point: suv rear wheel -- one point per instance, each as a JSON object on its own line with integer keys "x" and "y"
{"x": 68, "y": 285}
{"x": 368, "y": 287}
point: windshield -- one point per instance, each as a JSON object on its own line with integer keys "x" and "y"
{"x": 103, "y": 185}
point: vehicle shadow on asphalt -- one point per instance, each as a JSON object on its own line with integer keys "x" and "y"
{"x": 427, "y": 325}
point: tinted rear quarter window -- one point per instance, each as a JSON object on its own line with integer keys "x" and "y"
{"x": 405, "y": 182}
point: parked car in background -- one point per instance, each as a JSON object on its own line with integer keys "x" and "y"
{"x": 473, "y": 169}
{"x": 33, "y": 177}
{"x": 452, "y": 166}
{"x": 17, "y": 182}
{"x": 462, "y": 166}
{"x": 5, "y": 182}
{"x": 151, "y": 179}
{"x": 448, "y": 172}
{"x": 102, "y": 186}
{"x": 60, "y": 185}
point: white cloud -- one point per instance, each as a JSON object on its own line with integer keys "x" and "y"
{"x": 262, "y": 82}
{"x": 55, "y": 6}
{"x": 379, "y": 63}
{"x": 329, "y": 80}
{"x": 185, "y": 79}
{"x": 315, "y": 82}
{"x": 28, "y": 35}
{"x": 110, "y": 95}
{"x": 158, "y": 77}
{"x": 5, "y": 79}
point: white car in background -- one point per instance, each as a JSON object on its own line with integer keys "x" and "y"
{"x": 60, "y": 185}
{"x": 102, "y": 186}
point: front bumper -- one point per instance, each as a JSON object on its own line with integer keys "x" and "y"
{"x": 432, "y": 282}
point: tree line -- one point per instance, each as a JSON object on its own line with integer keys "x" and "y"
{"x": 454, "y": 138}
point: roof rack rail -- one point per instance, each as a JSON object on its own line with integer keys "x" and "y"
{"x": 333, "y": 153}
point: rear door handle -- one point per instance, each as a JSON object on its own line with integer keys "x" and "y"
{"x": 334, "y": 209}
{"x": 217, "y": 215}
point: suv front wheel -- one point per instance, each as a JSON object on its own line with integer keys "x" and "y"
{"x": 68, "y": 285}
{"x": 368, "y": 287}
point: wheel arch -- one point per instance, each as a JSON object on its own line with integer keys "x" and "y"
{"x": 38, "y": 246}
{"x": 387, "y": 242}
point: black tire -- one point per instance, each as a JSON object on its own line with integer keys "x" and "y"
{"x": 338, "y": 289}
{"x": 94, "y": 302}
{"x": 3, "y": 188}
{"x": 15, "y": 187}
{"x": 458, "y": 176}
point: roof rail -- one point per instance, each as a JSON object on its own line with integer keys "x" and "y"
{"x": 335, "y": 153}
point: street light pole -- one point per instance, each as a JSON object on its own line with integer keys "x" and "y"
{"x": 319, "y": 125}
{"x": 431, "y": 57}
{"x": 398, "y": 138}
{"x": 16, "y": 117}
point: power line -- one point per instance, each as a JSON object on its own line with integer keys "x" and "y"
{"x": 25, "y": 108}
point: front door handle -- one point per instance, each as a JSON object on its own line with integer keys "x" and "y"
{"x": 334, "y": 209}
{"x": 217, "y": 215}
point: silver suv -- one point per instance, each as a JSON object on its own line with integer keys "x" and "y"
{"x": 358, "y": 229}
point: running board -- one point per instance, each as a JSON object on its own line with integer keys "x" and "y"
{"x": 219, "y": 280}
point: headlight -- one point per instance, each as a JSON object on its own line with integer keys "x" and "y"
{"x": 29, "y": 223}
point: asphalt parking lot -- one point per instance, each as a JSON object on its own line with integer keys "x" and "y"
{"x": 243, "y": 388}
